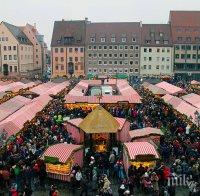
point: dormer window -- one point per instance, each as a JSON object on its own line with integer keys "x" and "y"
{"x": 188, "y": 39}
{"x": 148, "y": 41}
{"x": 113, "y": 39}
{"x": 103, "y": 39}
{"x": 92, "y": 39}
{"x": 157, "y": 42}
{"x": 166, "y": 42}
{"x": 179, "y": 39}
{"x": 161, "y": 34}
{"x": 123, "y": 39}
{"x": 133, "y": 39}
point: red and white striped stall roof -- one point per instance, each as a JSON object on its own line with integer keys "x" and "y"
{"x": 61, "y": 151}
{"x": 172, "y": 89}
{"x": 140, "y": 148}
{"x": 145, "y": 132}
{"x": 193, "y": 99}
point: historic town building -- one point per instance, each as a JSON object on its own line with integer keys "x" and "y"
{"x": 112, "y": 48}
{"x": 156, "y": 58}
{"x": 67, "y": 47}
{"x": 185, "y": 27}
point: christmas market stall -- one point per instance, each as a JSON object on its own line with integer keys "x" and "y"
{"x": 193, "y": 99}
{"x": 146, "y": 134}
{"x": 136, "y": 153}
{"x": 60, "y": 158}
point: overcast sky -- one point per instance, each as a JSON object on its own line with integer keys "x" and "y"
{"x": 45, "y": 12}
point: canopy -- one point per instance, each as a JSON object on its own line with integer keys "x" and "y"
{"x": 193, "y": 99}
{"x": 140, "y": 148}
{"x": 99, "y": 121}
{"x": 195, "y": 82}
{"x": 121, "y": 76}
{"x": 61, "y": 151}
{"x": 154, "y": 89}
{"x": 147, "y": 131}
{"x": 170, "y": 88}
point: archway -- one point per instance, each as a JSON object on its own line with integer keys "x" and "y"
{"x": 5, "y": 69}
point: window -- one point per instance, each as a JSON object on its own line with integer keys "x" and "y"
{"x": 113, "y": 39}
{"x": 100, "y": 55}
{"x": 158, "y": 50}
{"x": 188, "y": 47}
{"x": 150, "y": 49}
{"x": 5, "y": 57}
{"x": 188, "y": 39}
{"x": 110, "y": 70}
{"x": 61, "y": 49}
{"x": 36, "y": 50}
{"x": 100, "y": 70}
{"x": 116, "y": 62}
{"x": 148, "y": 41}
{"x": 103, "y": 39}
{"x": 89, "y": 47}
{"x": 94, "y": 55}
{"x": 167, "y": 67}
{"x": 62, "y": 59}
{"x": 188, "y": 56}
{"x": 167, "y": 59}
{"x": 110, "y": 47}
{"x": 194, "y": 47}
{"x": 62, "y": 67}
{"x": 92, "y": 39}
{"x": 76, "y": 49}
{"x": 157, "y": 66}
{"x": 166, "y": 42}
{"x": 105, "y": 47}
{"x": 56, "y": 49}
{"x": 115, "y": 47}
{"x": 131, "y": 62}
{"x": 121, "y": 62}
{"x": 125, "y": 70}
{"x": 70, "y": 59}
{"x": 131, "y": 47}
{"x": 90, "y": 55}
{"x": 76, "y": 67}
{"x": 89, "y": 70}
{"x": 177, "y": 56}
{"x": 123, "y": 39}
{"x": 110, "y": 62}
{"x": 136, "y": 55}
{"x": 182, "y": 56}
{"x": 15, "y": 57}
{"x": 145, "y": 49}
{"x": 145, "y": 67}
{"x": 100, "y": 47}
{"x": 100, "y": 62}
{"x": 14, "y": 47}
{"x": 121, "y": 47}
{"x": 115, "y": 70}
{"x": 133, "y": 39}
{"x": 163, "y": 50}
{"x": 4, "y": 48}
{"x": 177, "y": 47}
{"x": 179, "y": 39}
{"x": 9, "y": 48}
{"x": 120, "y": 55}
{"x": 131, "y": 70}
{"x": 81, "y": 50}
{"x": 168, "y": 50}
{"x": 194, "y": 56}
{"x": 149, "y": 66}
{"x": 10, "y": 57}
{"x": 110, "y": 55}
{"x": 150, "y": 58}
{"x": 115, "y": 55}
{"x": 157, "y": 41}
{"x": 15, "y": 68}
{"x": 125, "y": 47}
{"x": 10, "y": 68}
{"x": 183, "y": 47}
{"x": 136, "y": 70}
{"x": 76, "y": 59}
{"x": 125, "y": 55}
{"x": 105, "y": 55}
{"x": 163, "y": 58}
{"x": 56, "y": 58}
{"x": 136, "y": 62}
{"x": 105, "y": 70}
{"x": 36, "y": 56}
{"x": 145, "y": 58}
{"x": 197, "y": 39}
{"x": 71, "y": 49}
{"x": 56, "y": 67}
{"x": 94, "y": 47}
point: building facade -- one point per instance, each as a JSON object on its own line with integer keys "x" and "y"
{"x": 112, "y": 48}
{"x": 185, "y": 27}
{"x": 16, "y": 51}
{"x": 68, "y": 48}
{"x": 39, "y": 49}
{"x": 156, "y": 58}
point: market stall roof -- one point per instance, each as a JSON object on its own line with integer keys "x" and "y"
{"x": 61, "y": 151}
{"x": 2, "y": 94}
{"x": 155, "y": 89}
{"x": 181, "y": 106}
{"x": 170, "y": 88}
{"x": 99, "y": 121}
{"x": 195, "y": 82}
{"x": 9, "y": 86}
{"x": 126, "y": 92}
{"x": 147, "y": 131}
{"x": 193, "y": 99}
{"x": 9, "y": 107}
{"x": 24, "y": 114}
{"x": 140, "y": 148}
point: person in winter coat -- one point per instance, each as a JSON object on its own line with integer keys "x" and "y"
{"x": 78, "y": 178}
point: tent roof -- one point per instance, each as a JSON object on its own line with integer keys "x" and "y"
{"x": 193, "y": 99}
{"x": 155, "y": 89}
{"x": 99, "y": 121}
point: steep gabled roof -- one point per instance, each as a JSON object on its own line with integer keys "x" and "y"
{"x": 18, "y": 34}
{"x": 74, "y": 30}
